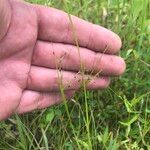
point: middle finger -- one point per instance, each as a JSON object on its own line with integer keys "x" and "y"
{"x": 69, "y": 57}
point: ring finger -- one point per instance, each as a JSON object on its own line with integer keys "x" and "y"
{"x": 46, "y": 80}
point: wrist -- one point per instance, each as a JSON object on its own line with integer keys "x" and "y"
{"x": 5, "y": 17}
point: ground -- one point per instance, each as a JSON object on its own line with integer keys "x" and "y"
{"x": 112, "y": 119}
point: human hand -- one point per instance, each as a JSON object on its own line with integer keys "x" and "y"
{"x": 41, "y": 39}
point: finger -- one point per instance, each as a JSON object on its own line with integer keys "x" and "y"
{"x": 55, "y": 26}
{"x": 10, "y": 95}
{"x": 32, "y": 100}
{"x": 44, "y": 79}
{"x": 53, "y": 55}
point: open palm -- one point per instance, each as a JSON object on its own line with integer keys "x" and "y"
{"x": 37, "y": 38}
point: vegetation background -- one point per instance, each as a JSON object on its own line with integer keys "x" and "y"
{"x": 112, "y": 119}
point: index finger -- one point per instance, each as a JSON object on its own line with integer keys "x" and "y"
{"x": 57, "y": 26}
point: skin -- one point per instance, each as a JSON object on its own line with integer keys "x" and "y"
{"x": 36, "y": 41}
{"x": 5, "y": 17}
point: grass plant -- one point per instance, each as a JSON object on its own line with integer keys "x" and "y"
{"x": 117, "y": 118}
